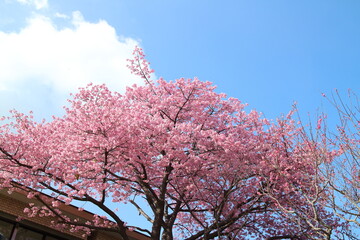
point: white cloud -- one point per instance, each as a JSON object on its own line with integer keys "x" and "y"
{"x": 59, "y": 60}
{"x": 39, "y": 4}
{"x": 61, "y": 15}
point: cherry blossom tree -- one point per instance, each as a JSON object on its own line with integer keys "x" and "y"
{"x": 206, "y": 168}
{"x": 342, "y": 173}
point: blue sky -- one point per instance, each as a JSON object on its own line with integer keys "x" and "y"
{"x": 266, "y": 53}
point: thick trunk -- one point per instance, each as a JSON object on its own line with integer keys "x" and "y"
{"x": 167, "y": 234}
{"x": 160, "y": 205}
{"x": 157, "y": 224}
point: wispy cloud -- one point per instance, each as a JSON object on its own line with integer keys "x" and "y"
{"x": 38, "y": 4}
{"x": 61, "y": 15}
{"x": 59, "y": 60}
